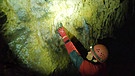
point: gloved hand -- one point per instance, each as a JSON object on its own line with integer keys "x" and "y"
{"x": 62, "y": 32}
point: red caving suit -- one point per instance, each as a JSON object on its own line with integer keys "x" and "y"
{"x": 85, "y": 67}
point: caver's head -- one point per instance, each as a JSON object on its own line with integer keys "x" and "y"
{"x": 97, "y": 53}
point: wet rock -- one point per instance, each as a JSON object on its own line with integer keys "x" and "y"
{"x": 31, "y": 28}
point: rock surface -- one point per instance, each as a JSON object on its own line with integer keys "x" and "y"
{"x": 31, "y": 28}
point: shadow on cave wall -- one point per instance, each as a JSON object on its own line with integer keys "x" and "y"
{"x": 121, "y": 60}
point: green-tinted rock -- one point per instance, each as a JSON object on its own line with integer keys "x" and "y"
{"x": 32, "y": 24}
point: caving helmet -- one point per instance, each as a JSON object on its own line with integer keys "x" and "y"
{"x": 99, "y": 52}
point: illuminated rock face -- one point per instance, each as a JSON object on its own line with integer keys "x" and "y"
{"x": 32, "y": 24}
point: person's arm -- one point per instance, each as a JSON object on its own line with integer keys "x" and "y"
{"x": 68, "y": 44}
{"x": 71, "y": 49}
{"x": 80, "y": 48}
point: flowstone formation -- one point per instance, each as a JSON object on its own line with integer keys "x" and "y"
{"x": 31, "y": 28}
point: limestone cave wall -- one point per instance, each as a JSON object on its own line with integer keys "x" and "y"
{"x": 30, "y": 28}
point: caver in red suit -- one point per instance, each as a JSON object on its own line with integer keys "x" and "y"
{"x": 98, "y": 53}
